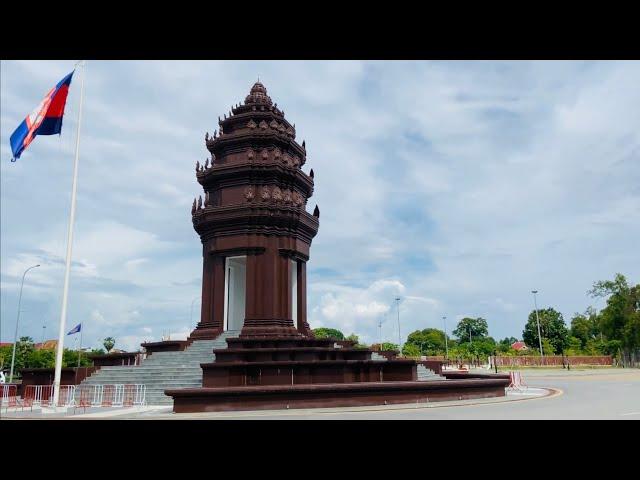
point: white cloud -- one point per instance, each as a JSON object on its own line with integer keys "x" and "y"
{"x": 459, "y": 186}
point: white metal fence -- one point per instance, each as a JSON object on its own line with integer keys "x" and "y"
{"x": 111, "y": 395}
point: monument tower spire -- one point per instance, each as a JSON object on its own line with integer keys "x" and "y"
{"x": 254, "y": 227}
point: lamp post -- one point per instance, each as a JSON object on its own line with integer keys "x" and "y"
{"x": 15, "y": 336}
{"x": 535, "y": 305}
{"x": 399, "y": 336}
{"x": 446, "y": 344}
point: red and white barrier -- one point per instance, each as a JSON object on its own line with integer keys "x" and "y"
{"x": 516, "y": 381}
{"x": 42, "y": 395}
{"x": 111, "y": 395}
{"x": 8, "y": 396}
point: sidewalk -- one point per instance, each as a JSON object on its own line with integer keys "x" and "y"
{"x": 165, "y": 412}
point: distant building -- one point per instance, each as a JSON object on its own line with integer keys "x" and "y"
{"x": 46, "y": 345}
{"x": 519, "y": 346}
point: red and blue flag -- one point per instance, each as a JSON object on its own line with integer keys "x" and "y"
{"x": 46, "y": 119}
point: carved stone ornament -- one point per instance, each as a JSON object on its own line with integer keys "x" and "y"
{"x": 265, "y": 195}
{"x": 273, "y": 124}
{"x": 277, "y": 194}
{"x": 251, "y": 124}
{"x": 263, "y": 125}
{"x": 265, "y": 154}
{"x": 297, "y": 199}
{"x": 250, "y": 154}
{"x": 286, "y": 196}
{"x": 248, "y": 194}
{"x": 276, "y": 153}
{"x": 296, "y": 161}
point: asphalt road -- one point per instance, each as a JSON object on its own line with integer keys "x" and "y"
{"x": 588, "y": 394}
{"x": 610, "y": 394}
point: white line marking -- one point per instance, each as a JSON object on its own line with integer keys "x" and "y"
{"x": 627, "y": 414}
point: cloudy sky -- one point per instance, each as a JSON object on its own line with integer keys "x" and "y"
{"x": 458, "y": 186}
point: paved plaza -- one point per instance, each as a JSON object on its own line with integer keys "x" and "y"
{"x": 552, "y": 394}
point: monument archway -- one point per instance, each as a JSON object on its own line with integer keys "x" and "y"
{"x": 235, "y": 292}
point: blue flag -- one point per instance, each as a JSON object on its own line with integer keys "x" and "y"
{"x": 76, "y": 329}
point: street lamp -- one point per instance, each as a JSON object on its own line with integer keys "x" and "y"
{"x": 399, "y": 337}
{"x": 15, "y": 336}
{"x": 535, "y": 305}
{"x": 446, "y": 344}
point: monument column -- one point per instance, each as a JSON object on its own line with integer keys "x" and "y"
{"x": 211, "y": 315}
{"x": 302, "y": 326}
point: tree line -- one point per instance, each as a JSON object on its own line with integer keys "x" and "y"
{"x": 614, "y": 330}
{"x": 27, "y": 356}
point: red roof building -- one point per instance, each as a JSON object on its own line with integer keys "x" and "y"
{"x": 519, "y": 346}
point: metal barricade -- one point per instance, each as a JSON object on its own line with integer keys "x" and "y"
{"x": 43, "y": 395}
{"x": 110, "y": 395}
{"x": 516, "y": 382}
{"x": 8, "y": 396}
{"x": 140, "y": 397}
{"x": 67, "y": 395}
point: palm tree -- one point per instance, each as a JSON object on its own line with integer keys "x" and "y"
{"x": 108, "y": 343}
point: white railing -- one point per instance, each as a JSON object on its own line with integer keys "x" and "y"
{"x": 112, "y": 395}
{"x": 43, "y": 395}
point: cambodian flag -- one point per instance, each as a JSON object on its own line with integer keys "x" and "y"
{"x": 46, "y": 119}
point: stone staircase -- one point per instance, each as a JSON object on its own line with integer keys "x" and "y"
{"x": 163, "y": 370}
{"x": 377, "y": 356}
{"x": 424, "y": 374}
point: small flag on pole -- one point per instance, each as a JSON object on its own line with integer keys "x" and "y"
{"x": 46, "y": 119}
{"x": 76, "y": 329}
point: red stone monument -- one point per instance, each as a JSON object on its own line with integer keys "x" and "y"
{"x": 256, "y": 235}
{"x": 253, "y": 224}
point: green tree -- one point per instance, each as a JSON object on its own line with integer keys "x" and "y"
{"x": 620, "y": 319}
{"x": 477, "y": 326}
{"x": 109, "y": 343}
{"x": 353, "y": 338}
{"x": 504, "y": 345}
{"x": 5, "y": 356}
{"x": 70, "y": 359}
{"x": 43, "y": 358}
{"x": 24, "y": 348}
{"x": 584, "y": 326}
{"x": 548, "y": 347}
{"x": 387, "y": 346}
{"x": 323, "y": 332}
{"x": 411, "y": 350}
{"x": 574, "y": 346}
{"x": 484, "y": 347}
{"x": 552, "y": 327}
{"x": 429, "y": 341}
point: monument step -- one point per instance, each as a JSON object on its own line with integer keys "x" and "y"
{"x": 425, "y": 374}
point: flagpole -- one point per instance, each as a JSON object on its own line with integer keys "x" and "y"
{"x": 80, "y": 350}
{"x": 65, "y": 291}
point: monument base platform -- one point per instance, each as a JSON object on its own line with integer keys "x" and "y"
{"x": 273, "y": 397}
